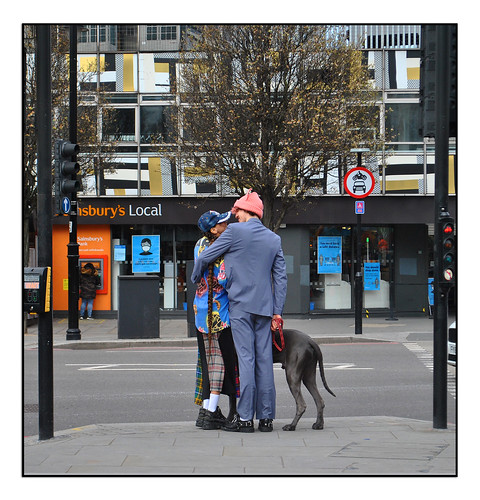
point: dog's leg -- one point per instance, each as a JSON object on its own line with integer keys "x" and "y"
{"x": 310, "y": 382}
{"x": 294, "y": 384}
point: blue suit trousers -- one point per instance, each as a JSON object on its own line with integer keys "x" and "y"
{"x": 253, "y": 342}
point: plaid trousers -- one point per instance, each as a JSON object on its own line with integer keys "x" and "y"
{"x": 216, "y": 367}
{"x": 231, "y": 378}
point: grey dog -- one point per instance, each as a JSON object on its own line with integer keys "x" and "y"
{"x": 299, "y": 360}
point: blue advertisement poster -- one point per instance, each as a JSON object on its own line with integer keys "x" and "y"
{"x": 329, "y": 254}
{"x": 371, "y": 275}
{"x": 430, "y": 291}
{"x": 146, "y": 253}
{"x": 120, "y": 252}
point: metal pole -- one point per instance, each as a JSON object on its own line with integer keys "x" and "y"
{"x": 44, "y": 214}
{"x": 358, "y": 269}
{"x": 440, "y": 315}
{"x": 73, "y": 332}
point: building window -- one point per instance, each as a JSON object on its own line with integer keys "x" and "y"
{"x": 102, "y": 35}
{"x": 152, "y": 32}
{"x": 88, "y": 34}
{"x": 155, "y": 124}
{"x": 120, "y": 126}
{"x": 168, "y": 32}
{"x": 403, "y": 120}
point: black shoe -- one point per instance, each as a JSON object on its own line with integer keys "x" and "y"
{"x": 265, "y": 425}
{"x": 237, "y": 425}
{"x": 201, "y": 416}
{"x": 219, "y": 416}
{"x": 213, "y": 420}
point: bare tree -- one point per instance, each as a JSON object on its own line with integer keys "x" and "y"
{"x": 273, "y": 107}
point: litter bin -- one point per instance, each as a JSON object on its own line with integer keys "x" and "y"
{"x": 138, "y": 307}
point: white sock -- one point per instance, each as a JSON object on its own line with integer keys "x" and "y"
{"x": 212, "y": 405}
{"x": 205, "y": 404}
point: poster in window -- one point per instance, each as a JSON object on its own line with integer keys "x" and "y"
{"x": 120, "y": 253}
{"x": 371, "y": 275}
{"x": 146, "y": 253}
{"x": 329, "y": 254}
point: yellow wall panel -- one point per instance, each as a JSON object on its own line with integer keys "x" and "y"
{"x": 161, "y": 67}
{"x": 401, "y": 185}
{"x": 155, "y": 173}
{"x": 89, "y": 64}
{"x": 128, "y": 73}
{"x": 451, "y": 175}
{"x": 413, "y": 73}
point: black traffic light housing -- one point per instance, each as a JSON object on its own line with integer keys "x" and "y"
{"x": 428, "y": 52}
{"x": 447, "y": 234}
{"x": 66, "y": 169}
{"x": 428, "y": 60}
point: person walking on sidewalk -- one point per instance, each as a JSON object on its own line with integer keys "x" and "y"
{"x": 256, "y": 287}
{"x": 217, "y": 356}
{"x": 89, "y": 282}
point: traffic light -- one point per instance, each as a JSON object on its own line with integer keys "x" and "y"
{"x": 66, "y": 169}
{"x": 447, "y": 233}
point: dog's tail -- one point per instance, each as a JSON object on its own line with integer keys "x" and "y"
{"x": 320, "y": 365}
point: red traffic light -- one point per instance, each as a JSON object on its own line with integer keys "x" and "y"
{"x": 448, "y": 228}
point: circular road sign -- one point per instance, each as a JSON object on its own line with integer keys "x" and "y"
{"x": 359, "y": 182}
{"x": 66, "y": 204}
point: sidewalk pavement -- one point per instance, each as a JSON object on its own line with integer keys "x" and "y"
{"x": 364, "y": 445}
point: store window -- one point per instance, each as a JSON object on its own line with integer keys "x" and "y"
{"x": 331, "y": 250}
{"x": 332, "y": 267}
{"x": 377, "y": 266}
{"x": 177, "y": 245}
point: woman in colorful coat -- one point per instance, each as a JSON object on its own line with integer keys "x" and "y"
{"x": 217, "y": 356}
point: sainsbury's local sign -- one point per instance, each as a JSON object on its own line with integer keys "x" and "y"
{"x": 120, "y": 211}
{"x": 146, "y": 210}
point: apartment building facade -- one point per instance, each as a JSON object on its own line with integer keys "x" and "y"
{"x": 151, "y": 191}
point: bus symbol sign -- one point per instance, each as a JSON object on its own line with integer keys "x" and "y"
{"x": 359, "y": 207}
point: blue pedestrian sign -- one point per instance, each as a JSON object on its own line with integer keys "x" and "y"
{"x": 66, "y": 204}
{"x": 359, "y": 207}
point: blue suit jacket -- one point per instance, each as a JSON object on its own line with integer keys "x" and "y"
{"x": 254, "y": 265}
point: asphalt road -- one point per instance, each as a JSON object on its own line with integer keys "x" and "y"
{"x": 157, "y": 385}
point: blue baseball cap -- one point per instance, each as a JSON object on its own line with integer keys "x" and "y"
{"x": 211, "y": 219}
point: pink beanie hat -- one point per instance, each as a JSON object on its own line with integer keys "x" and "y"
{"x": 251, "y": 202}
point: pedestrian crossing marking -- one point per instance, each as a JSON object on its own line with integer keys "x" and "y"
{"x": 427, "y": 359}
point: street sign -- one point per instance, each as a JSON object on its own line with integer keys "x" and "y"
{"x": 359, "y": 207}
{"x": 359, "y": 182}
{"x": 66, "y": 204}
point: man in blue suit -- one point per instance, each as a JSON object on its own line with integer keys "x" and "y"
{"x": 256, "y": 287}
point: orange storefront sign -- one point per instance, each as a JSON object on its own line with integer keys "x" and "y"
{"x": 95, "y": 245}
